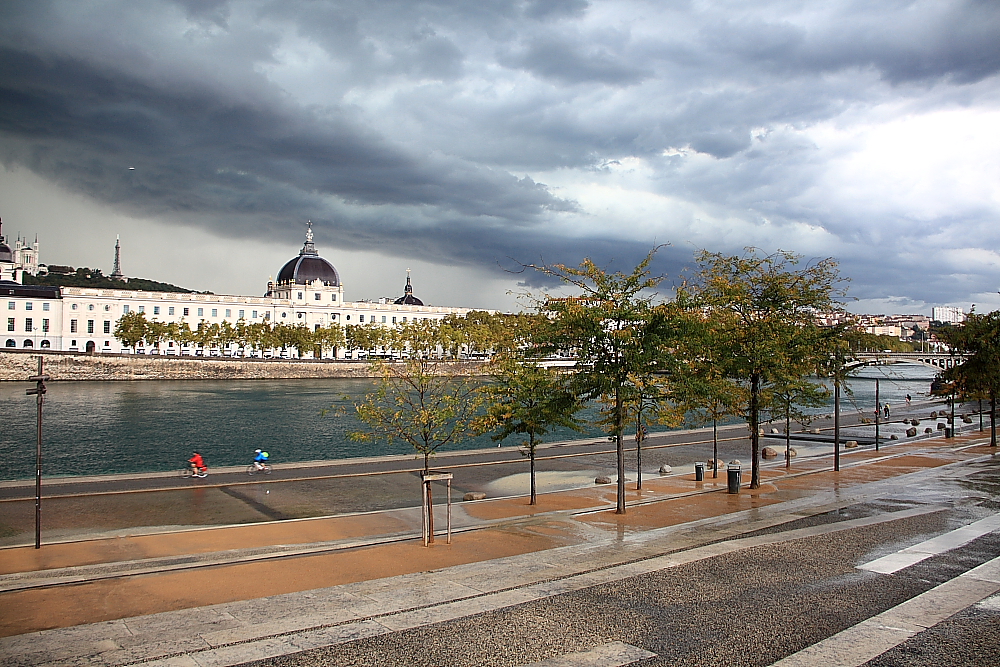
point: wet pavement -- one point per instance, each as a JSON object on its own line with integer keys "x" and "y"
{"x": 691, "y": 574}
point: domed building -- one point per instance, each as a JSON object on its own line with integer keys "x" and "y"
{"x": 307, "y": 278}
{"x": 408, "y": 299}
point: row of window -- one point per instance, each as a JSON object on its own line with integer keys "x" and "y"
{"x": 28, "y": 305}
{"x": 157, "y": 310}
{"x": 319, "y": 297}
{"x": 29, "y": 324}
{"x": 13, "y": 343}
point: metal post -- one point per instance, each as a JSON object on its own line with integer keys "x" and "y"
{"x": 449, "y": 511}
{"x": 836, "y": 424}
{"x": 39, "y": 393}
{"x": 878, "y": 411}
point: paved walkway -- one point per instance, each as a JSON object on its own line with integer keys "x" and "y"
{"x": 222, "y": 596}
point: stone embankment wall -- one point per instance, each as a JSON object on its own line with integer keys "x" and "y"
{"x": 18, "y": 366}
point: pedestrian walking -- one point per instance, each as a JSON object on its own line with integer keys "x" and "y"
{"x": 886, "y": 411}
{"x": 907, "y": 399}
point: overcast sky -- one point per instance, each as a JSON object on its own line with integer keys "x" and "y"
{"x": 458, "y": 137}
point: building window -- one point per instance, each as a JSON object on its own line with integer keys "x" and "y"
{"x": 11, "y": 342}
{"x": 253, "y": 314}
{"x": 404, "y": 320}
{"x": 107, "y": 326}
{"x": 27, "y": 324}
{"x": 27, "y": 343}
{"x": 72, "y": 327}
{"x": 156, "y": 310}
{"x": 333, "y": 297}
{"x": 142, "y": 309}
{"x": 361, "y": 318}
{"x": 10, "y": 324}
{"x": 215, "y": 312}
{"x": 107, "y": 343}
{"x": 284, "y": 314}
{"x": 45, "y": 344}
{"x": 107, "y": 308}
{"x": 170, "y": 310}
{"x": 383, "y": 319}
{"x": 90, "y": 306}
{"x": 45, "y": 326}
{"x": 72, "y": 343}
{"x": 348, "y": 318}
{"x": 124, "y": 308}
{"x": 201, "y": 312}
{"x": 241, "y": 314}
{"x": 187, "y": 311}
{"x": 300, "y": 295}
{"x": 90, "y": 326}
{"x": 394, "y": 320}
{"x": 10, "y": 305}
{"x": 229, "y": 313}
{"x": 316, "y": 327}
{"x": 27, "y": 305}
{"x": 45, "y": 306}
{"x": 318, "y": 296}
{"x": 74, "y": 307}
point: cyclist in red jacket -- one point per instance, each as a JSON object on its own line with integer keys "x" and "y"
{"x": 198, "y": 467}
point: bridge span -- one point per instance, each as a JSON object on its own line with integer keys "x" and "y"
{"x": 938, "y": 360}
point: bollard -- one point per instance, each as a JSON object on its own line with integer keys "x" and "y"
{"x": 699, "y": 472}
{"x": 734, "y": 473}
{"x": 948, "y": 432}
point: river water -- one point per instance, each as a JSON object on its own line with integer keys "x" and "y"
{"x": 113, "y": 427}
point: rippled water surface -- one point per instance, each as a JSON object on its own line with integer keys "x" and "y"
{"x": 99, "y": 427}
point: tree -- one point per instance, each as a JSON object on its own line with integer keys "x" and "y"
{"x": 529, "y": 400}
{"x": 423, "y": 403}
{"x": 980, "y": 372}
{"x": 616, "y": 332}
{"x": 131, "y": 328}
{"x": 763, "y": 308}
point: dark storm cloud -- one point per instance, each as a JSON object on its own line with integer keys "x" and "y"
{"x": 423, "y": 127}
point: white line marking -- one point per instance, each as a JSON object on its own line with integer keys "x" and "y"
{"x": 615, "y": 654}
{"x": 932, "y": 547}
{"x": 866, "y": 640}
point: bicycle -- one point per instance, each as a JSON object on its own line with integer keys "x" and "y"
{"x": 188, "y": 471}
{"x": 264, "y": 469}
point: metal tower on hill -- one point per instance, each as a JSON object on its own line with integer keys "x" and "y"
{"x": 117, "y": 273}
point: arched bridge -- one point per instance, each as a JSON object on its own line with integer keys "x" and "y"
{"x": 939, "y": 360}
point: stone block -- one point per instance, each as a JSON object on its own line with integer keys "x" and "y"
{"x": 894, "y": 437}
{"x": 934, "y": 414}
{"x": 665, "y": 469}
{"x": 603, "y": 479}
{"x": 851, "y": 444}
{"x": 474, "y": 495}
{"x": 928, "y": 430}
{"x": 910, "y": 432}
{"x": 769, "y": 453}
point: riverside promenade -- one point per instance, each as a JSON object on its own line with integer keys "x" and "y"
{"x": 361, "y": 589}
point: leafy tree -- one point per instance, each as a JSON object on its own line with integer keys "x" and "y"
{"x": 980, "y": 372}
{"x": 762, "y": 307}
{"x": 423, "y": 403}
{"x": 131, "y": 328}
{"x": 529, "y": 400}
{"x": 616, "y": 332}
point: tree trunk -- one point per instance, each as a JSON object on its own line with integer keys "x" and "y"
{"x": 531, "y": 457}
{"x": 754, "y": 431}
{"x": 430, "y": 502}
{"x": 638, "y": 454}
{"x": 836, "y": 423}
{"x": 620, "y": 447}
{"x": 993, "y": 418}
{"x": 715, "y": 448}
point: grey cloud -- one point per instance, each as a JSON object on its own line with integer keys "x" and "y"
{"x": 576, "y": 63}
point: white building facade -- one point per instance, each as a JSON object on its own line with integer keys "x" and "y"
{"x": 307, "y": 292}
{"x": 948, "y": 314}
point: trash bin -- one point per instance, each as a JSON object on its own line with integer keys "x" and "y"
{"x": 734, "y": 473}
{"x": 699, "y": 472}
{"x": 948, "y": 431}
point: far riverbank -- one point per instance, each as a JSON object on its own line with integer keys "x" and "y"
{"x": 60, "y": 366}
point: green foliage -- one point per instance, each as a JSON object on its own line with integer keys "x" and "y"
{"x": 979, "y": 375}
{"x": 131, "y": 328}
{"x": 422, "y": 403}
{"x": 759, "y": 311}
{"x": 617, "y": 329}
{"x": 85, "y": 277}
{"x": 528, "y": 400}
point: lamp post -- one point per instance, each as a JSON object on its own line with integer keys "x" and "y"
{"x": 878, "y": 411}
{"x": 39, "y": 393}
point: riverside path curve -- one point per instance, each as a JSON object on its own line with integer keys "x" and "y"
{"x": 691, "y": 575}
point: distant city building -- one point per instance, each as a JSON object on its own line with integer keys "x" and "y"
{"x": 21, "y": 258}
{"x": 307, "y": 292}
{"x": 948, "y": 314}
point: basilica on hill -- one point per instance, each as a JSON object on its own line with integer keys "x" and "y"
{"x": 307, "y": 291}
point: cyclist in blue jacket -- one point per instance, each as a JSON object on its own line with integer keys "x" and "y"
{"x": 260, "y": 459}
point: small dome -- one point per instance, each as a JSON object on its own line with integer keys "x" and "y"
{"x": 308, "y": 266}
{"x": 408, "y": 299}
{"x": 6, "y": 254}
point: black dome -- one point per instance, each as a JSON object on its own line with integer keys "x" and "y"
{"x": 308, "y": 266}
{"x": 6, "y": 254}
{"x": 408, "y": 299}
